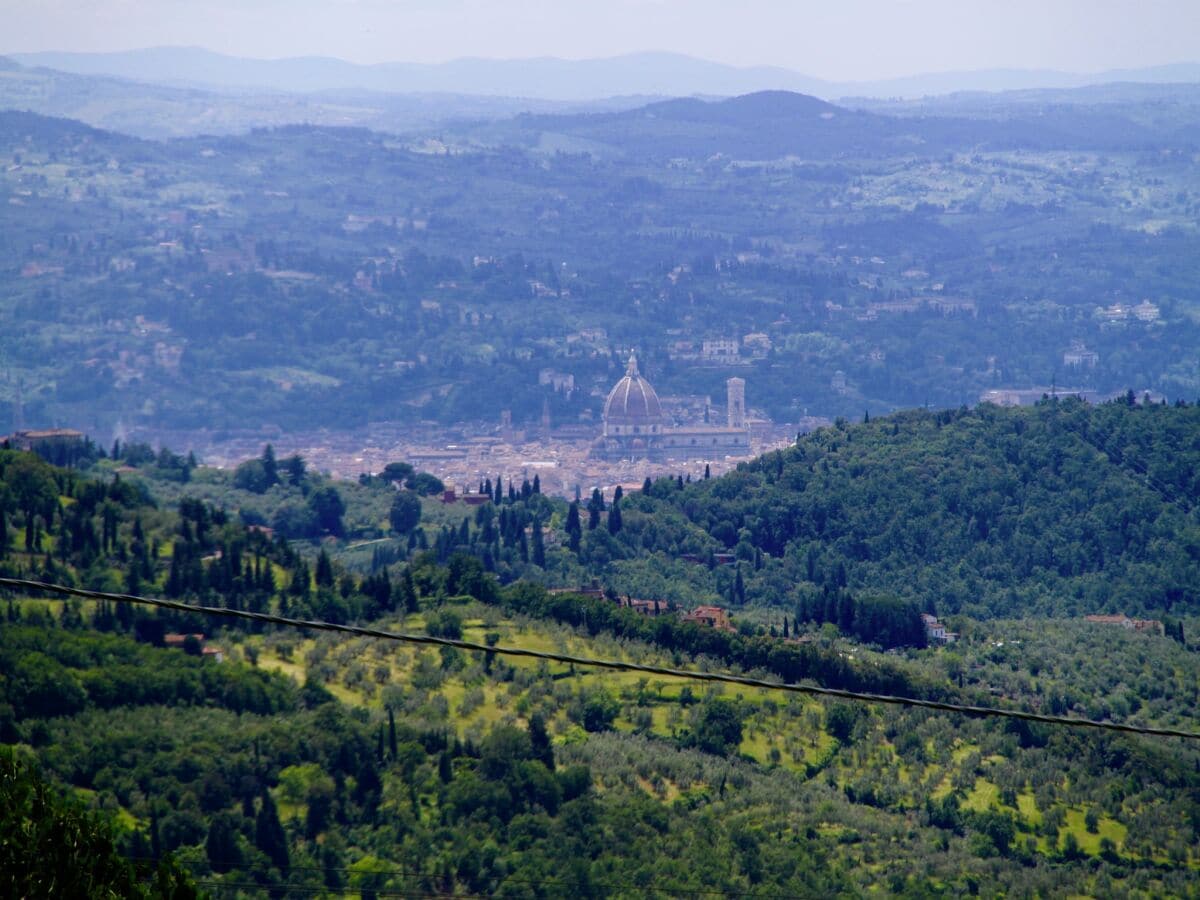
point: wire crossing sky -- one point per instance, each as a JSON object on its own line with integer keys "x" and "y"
{"x": 849, "y": 40}
{"x": 721, "y": 677}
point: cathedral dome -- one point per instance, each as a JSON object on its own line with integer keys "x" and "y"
{"x": 632, "y": 402}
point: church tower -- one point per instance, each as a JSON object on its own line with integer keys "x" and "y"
{"x": 735, "y": 389}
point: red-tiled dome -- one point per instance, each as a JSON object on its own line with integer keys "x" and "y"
{"x": 633, "y": 401}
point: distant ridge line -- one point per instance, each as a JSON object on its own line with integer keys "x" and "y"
{"x": 552, "y": 78}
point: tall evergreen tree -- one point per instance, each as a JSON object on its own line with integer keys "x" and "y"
{"x": 270, "y": 466}
{"x": 269, "y": 836}
{"x": 221, "y": 846}
{"x": 408, "y": 592}
{"x": 539, "y": 545}
{"x": 595, "y": 507}
{"x": 614, "y": 516}
{"x": 574, "y": 529}
{"x": 324, "y": 574}
{"x": 539, "y": 738}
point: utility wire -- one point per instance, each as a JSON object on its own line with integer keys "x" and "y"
{"x": 620, "y": 665}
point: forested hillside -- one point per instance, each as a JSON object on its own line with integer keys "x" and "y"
{"x": 269, "y": 759}
{"x": 1060, "y": 509}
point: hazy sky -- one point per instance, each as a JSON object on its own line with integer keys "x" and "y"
{"x": 833, "y": 39}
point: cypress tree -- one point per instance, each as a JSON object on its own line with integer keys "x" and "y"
{"x": 408, "y": 591}
{"x": 574, "y": 529}
{"x": 221, "y": 846}
{"x": 392, "y": 734}
{"x": 268, "y": 833}
{"x": 324, "y": 573}
{"x": 300, "y": 586}
{"x": 539, "y": 545}
{"x": 543, "y": 751}
{"x": 155, "y": 837}
{"x": 368, "y": 788}
{"x": 270, "y": 466}
{"x": 595, "y": 507}
{"x": 614, "y": 517}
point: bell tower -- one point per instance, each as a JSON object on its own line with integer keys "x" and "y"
{"x": 735, "y": 408}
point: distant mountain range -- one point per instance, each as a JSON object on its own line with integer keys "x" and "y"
{"x": 771, "y": 125}
{"x": 662, "y": 74}
{"x": 162, "y": 110}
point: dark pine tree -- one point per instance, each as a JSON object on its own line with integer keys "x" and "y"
{"x": 539, "y": 545}
{"x": 595, "y": 507}
{"x": 270, "y": 466}
{"x": 543, "y": 750}
{"x": 324, "y": 574}
{"x": 614, "y": 517}
{"x": 574, "y": 529}
{"x": 268, "y": 833}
